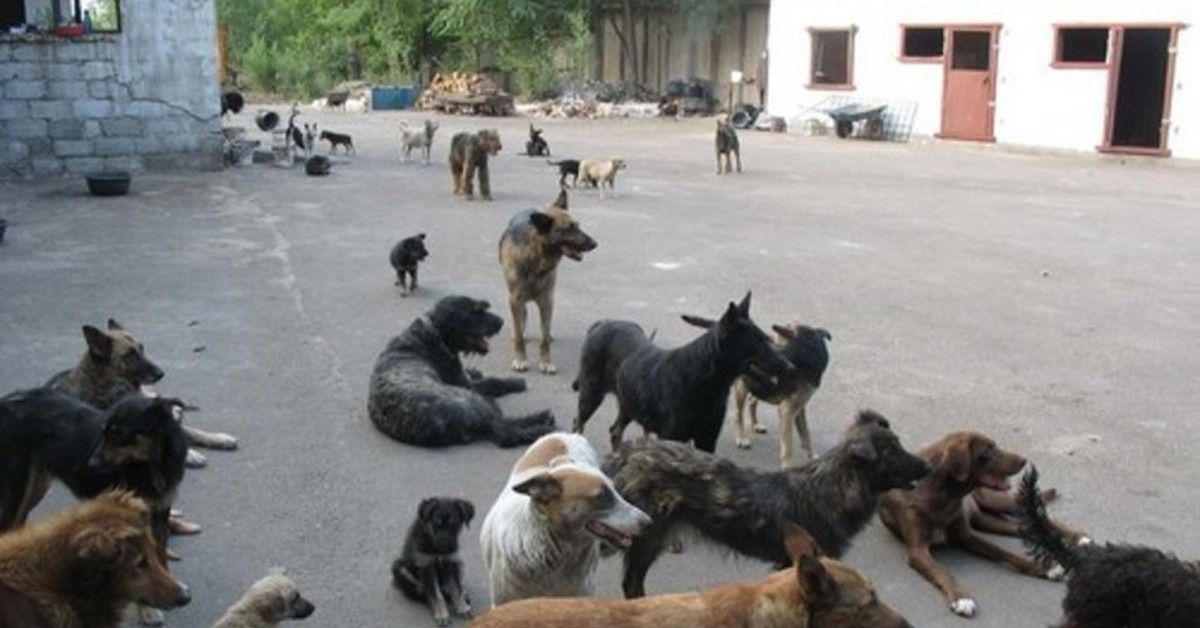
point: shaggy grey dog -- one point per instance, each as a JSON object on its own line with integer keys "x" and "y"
{"x": 420, "y": 393}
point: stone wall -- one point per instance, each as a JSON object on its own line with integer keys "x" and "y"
{"x": 145, "y": 98}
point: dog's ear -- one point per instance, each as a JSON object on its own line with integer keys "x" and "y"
{"x": 105, "y": 543}
{"x": 113, "y": 325}
{"x": 98, "y": 342}
{"x": 787, "y": 333}
{"x": 542, "y": 488}
{"x": 863, "y": 449}
{"x": 542, "y": 222}
{"x": 955, "y": 460}
{"x": 824, "y": 333}
{"x": 466, "y": 510}
{"x": 799, "y": 542}
{"x": 815, "y": 579}
{"x": 743, "y": 307}
{"x": 698, "y": 321}
{"x": 421, "y": 236}
{"x": 729, "y": 318}
{"x": 561, "y": 201}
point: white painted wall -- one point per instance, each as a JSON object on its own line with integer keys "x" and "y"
{"x": 1036, "y": 105}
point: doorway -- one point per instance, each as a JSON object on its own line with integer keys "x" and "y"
{"x": 1140, "y": 80}
{"x": 969, "y": 87}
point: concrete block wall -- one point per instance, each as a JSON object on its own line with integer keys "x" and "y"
{"x": 145, "y": 98}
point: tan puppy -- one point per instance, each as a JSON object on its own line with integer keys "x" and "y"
{"x": 600, "y": 171}
{"x": 816, "y": 593}
{"x": 934, "y": 513}
{"x": 266, "y": 603}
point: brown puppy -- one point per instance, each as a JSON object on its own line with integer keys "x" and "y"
{"x": 530, "y": 250}
{"x": 468, "y": 156}
{"x": 934, "y": 512}
{"x": 266, "y": 604}
{"x": 597, "y": 172}
{"x": 83, "y": 566}
{"x": 817, "y": 593}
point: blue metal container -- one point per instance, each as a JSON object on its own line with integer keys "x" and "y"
{"x": 393, "y": 97}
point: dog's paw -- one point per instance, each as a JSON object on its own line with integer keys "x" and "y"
{"x": 759, "y": 428}
{"x": 149, "y": 616}
{"x": 1056, "y": 573}
{"x": 464, "y": 610}
{"x": 964, "y": 607}
{"x": 195, "y": 459}
{"x": 180, "y": 527}
{"x": 743, "y": 442}
{"x": 441, "y": 619}
{"x": 218, "y": 440}
{"x": 520, "y": 365}
{"x": 515, "y": 384}
{"x": 547, "y": 368}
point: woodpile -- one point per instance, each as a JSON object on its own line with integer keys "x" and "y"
{"x": 466, "y": 92}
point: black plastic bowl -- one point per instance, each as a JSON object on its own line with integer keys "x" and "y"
{"x": 109, "y": 183}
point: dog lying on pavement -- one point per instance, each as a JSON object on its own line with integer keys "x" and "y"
{"x": 530, "y": 249}
{"x": 83, "y": 566}
{"x": 805, "y": 348}
{"x": 1111, "y": 585}
{"x": 933, "y": 513}
{"x": 429, "y": 569}
{"x": 743, "y": 508}
{"x": 817, "y": 592}
{"x": 680, "y": 394}
{"x": 266, "y": 604}
{"x": 543, "y": 535}
{"x": 420, "y": 393}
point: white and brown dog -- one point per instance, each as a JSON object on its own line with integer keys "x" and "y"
{"x": 417, "y": 139}
{"x": 543, "y": 536}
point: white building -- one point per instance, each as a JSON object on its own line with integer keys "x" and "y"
{"x": 1110, "y": 75}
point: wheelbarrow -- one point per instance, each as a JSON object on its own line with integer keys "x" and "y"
{"x": 845, "y": 116}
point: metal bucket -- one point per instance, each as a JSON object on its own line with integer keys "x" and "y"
{"x": 266, "y": 120}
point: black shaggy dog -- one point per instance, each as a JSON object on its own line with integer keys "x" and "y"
{"x": 680, "y": 394}
{"x": 420, "y": 393}
{"x": 405, "y": 257}
{"x": 428, "y": 569}
{"x": 537, "y": 146}
{"x": 1111, "y": 585}
{"x": 745, "y": 509}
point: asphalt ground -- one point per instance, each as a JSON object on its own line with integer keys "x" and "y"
{"x": 1048, "y": 300}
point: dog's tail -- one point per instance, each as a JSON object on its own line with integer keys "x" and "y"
{"x": 1045, "y": 545}
{"x": 522, "y": 430}
{"x": 554, "y": 163}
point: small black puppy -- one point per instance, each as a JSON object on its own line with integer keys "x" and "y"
{"x": 566, "y": 167}
{"x": 338, "y": 139}
{"x": 404, "y": 257}
{"x": 428, "y": 569}
{"x": 537, "y": 146}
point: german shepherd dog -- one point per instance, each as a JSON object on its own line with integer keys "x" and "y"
{"x": 805, "y": 348}
{"x": 420, "y": 393}
{"x": 405, "y": 257}
{"x": 429, "y": 569}
{"x": 1111, "y": 585}
{"x": 681, "y": 393}
{"x": 935, "y": 513}
{"x": 136, "y": 444}
{"x": 116, "y": 365}
{"x": 817, "y": 593}
{"x": 530, "y": 250}
{"x": 727, "y": 144}
{"x": 83, "y": 566}
{"x": 745, "y": 509}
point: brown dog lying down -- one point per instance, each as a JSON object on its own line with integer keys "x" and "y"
{"x": 266, "y": 604}
{"x": 83, "y": 566}
{"x": 936, "y": 512}
{"x": 818, "y": 593}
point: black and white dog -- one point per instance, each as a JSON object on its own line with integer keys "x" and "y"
{"x": 405, "y": 257}
{"x": 420, "y": 393}
{"x": 428, "y": 569}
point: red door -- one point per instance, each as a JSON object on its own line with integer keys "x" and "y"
{"x": 969, "y": 91}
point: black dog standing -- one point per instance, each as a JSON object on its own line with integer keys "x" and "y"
{"x": 404, "y": 257}
{"x": 537, "y": 146}
{"x": 428, "y": 569}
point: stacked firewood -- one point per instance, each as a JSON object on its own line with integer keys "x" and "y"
{"x": 455, "y": 86}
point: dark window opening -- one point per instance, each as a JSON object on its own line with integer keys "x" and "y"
{"x": 1082, "y": 45}
{"x": 924, "y": 43}
{"x": 12, "y": 13}
{"x": 830, "y": 58}
{"x": 972, "y": 50}
{"x": 1142, "y": 88}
